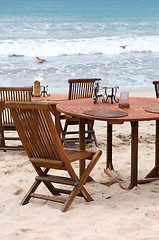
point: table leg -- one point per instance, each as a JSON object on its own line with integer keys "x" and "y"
{"x": 109, "y": 147}
{"x": 157, "y": 149}
{"x": 155, "y": 171}
{"x": 134, "y": 154}
{"x": 81, "y": 144}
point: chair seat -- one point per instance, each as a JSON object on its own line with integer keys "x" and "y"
{"x": 74, "y": 155}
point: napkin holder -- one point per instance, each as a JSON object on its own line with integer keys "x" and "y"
{"x": 124, "y": 100}
{"x": 124, "y": 105}
{"x": 37, "y": 92}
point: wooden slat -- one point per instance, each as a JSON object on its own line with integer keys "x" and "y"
{"x": 10, "y": 138}
{"x": 57, "y": 179}
{"x": 11, "y": 148}
{"x": 48, "y": 163}
{"x": 74, "y": 155}
{"x": 67, "y": 192}
{"x": 50, "y": 198}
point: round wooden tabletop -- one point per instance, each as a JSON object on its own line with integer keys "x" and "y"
{"x": 82, "y": 108}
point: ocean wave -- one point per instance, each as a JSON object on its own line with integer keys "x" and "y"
{"x": 81, "y": 46}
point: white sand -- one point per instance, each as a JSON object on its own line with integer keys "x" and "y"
{"x": 115, "y": 214}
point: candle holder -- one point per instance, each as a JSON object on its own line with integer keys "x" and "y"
{"x": 109, "y": 92}
{"x": 96, "y": 92}
{"x": 44, "y": 90}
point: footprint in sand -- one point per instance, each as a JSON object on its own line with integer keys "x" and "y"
{"x": 18, "y": 192}
{"x": 26, "y": 229}
{"x": 2, "y": 208}
{"x": 153, "y": 214}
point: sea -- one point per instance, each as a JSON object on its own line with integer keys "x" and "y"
{"x": 115, "y": 40}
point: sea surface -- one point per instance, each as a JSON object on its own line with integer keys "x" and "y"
{"x": 79, "y": 39}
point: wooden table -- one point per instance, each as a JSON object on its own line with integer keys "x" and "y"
{"x": 53, "y": 99}
{"x": 136, "y": 113}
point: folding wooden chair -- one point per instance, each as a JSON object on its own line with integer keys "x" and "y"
{"x": 6, "y": 121}
{"x": 156, "y": 84}
{"x": 42, "y": 144}
{"x": 80, "y": 88}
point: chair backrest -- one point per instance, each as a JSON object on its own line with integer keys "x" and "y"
{"x": 156, "y": 83}
{"x": 81, "y": 88}
{"x": 37, "y": 131}
{"x": 21, "y": 94}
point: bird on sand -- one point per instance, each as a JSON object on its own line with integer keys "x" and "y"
{"x": 40, "y": 61}
{"x": 124, "y": 46}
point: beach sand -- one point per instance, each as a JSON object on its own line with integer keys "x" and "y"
{"x": 115, "y": 213}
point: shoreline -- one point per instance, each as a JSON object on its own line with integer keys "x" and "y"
{"x": 139, "y": 91}
{"x": 134, "y": 91}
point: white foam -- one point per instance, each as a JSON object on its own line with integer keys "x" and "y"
{"x": 102, "y": 45}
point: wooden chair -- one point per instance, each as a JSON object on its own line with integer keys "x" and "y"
{"x": 42, "y": 144}
{"x": 156, "y": 84}
{"x": 80, "y": 88}
{"x": 6, "y": 121}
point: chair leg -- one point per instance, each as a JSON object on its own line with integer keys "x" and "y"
{"x": 36, "y": 184}
{"x": 33, "y": 188}
{"x": 95, "y": 139}
{"x": 82, "y": 180}
{"x": 89, "y": 129}
{"x": 66, "y": 125}
{"x": 64, "y": 142}
{"x": 2, "y": 141}
{"x": 92, "y": 134}
{"x": 49, "y": 185}
{"x": 63, "y": 139}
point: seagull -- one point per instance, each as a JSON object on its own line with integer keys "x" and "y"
{"x": 40, "y": 60}
{"x": 124, "y": 46}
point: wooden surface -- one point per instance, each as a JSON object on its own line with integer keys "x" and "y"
{"x": 53, "y": 98}
{"x": 136, "y": 111}
{"x": 45, "y": 151}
